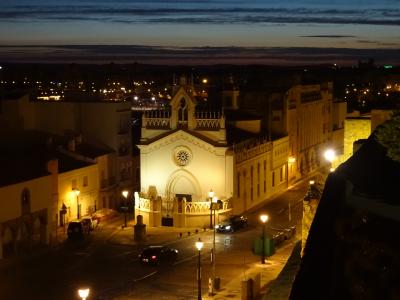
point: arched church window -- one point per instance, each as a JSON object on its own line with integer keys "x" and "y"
{"x": 183, "y": 112}
{"x": 25, "y": 202}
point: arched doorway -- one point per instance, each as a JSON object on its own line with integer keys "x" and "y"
{"x": 181, "y": 185}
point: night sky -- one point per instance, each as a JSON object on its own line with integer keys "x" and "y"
{"x": 171, "y": 29}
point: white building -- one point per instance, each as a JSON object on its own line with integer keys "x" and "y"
{"x": 185, "y": 153}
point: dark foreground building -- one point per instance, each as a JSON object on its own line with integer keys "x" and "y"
{"x": 353, "y": 249}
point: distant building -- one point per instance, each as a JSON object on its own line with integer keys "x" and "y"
{"x": 314, "y": 123}
{"x": 308, "y": 114}
{"x": 45, "y": 182}
{"x": 107, "y": 124}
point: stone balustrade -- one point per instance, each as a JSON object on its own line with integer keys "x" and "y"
{"x": 144, "y": 204}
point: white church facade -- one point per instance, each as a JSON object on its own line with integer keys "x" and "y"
{"x": 185, "y": 153}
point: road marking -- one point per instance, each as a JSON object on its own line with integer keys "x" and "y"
{"x": 184, "y": 260}
{"x": 145, "y": 276}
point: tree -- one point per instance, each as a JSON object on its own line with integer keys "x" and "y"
{"x": 388, "y": 135}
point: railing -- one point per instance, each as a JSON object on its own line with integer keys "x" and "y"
{"x": 144, "y": 204}
{"x": 208, "y": 120}
{"x": 203, "y": 207}
{"x": 197, "y": 207}
{"x": 208, "y": 124}
{"x": 157, "y": 119}
{"x": 155, "y": 123}
{"x": 194, "y": 208}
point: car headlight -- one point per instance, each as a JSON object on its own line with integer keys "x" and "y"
{"x": 217, "y": 226}
{"x": 176, "y": 251}
{"x": 228, "y": 227}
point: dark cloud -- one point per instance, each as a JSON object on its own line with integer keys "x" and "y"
{"x": 367, "y": 42}
{"x": 188, "y": 55}
{"x": 329, "y": 36}
{"x": 217, "y": 15}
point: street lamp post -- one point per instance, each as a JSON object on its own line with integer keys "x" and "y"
{"x": 211, "y": 196}
{"x": 125, "y": 194}
{"x": 83, "y": 293}
{"x": 214, "y": 206}
{"x": 78, "y": 211}
{"x": 199, "y": 246}
{"x": 264, "y": 219}
{"x": 136, "y": 200}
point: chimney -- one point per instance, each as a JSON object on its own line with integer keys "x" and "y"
{"x": 52, "y": 166}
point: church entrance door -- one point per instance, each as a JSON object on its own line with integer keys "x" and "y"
{"x": 180, "y": 198}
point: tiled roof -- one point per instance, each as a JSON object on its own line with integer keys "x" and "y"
{"x": 24, "y": 155}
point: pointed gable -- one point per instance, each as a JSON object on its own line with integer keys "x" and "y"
{"x": 183, "y": 108}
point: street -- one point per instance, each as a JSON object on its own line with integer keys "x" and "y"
{"x": 107, "y": 262}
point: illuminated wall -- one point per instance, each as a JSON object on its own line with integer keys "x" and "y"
{"x": 22, "y": 226}
{"x": 354, "y": 129}
{"x": 206, "y": 167}
{"x": 260, "y": 172}
{"x": 309, "y": 126}
{"x": 87, "y": 181}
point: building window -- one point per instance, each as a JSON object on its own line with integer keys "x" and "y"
{"x": 281, "y": 174}
{"x": 85, "y": 181}
{"x": 73, "y": 184}
{"x": 273, "y": 179}
{"x": 238, "y": 184}
{"x": 258, "y": 180}
{"x": 25, "y": 202}
{"x": 251, "y": 183}
{"x": 183, "y": 112}
{"x": 265, "y": 176}
{"x": 244, "y": 185}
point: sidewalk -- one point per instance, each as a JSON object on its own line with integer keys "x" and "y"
{"x": 268, "y": 271}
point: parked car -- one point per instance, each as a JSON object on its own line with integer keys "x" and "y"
{"x": 154, "y": 255}
{"x": 89, "y": 222}
{"x": 77, "y": 230}
{"x": 232, "y": 224}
